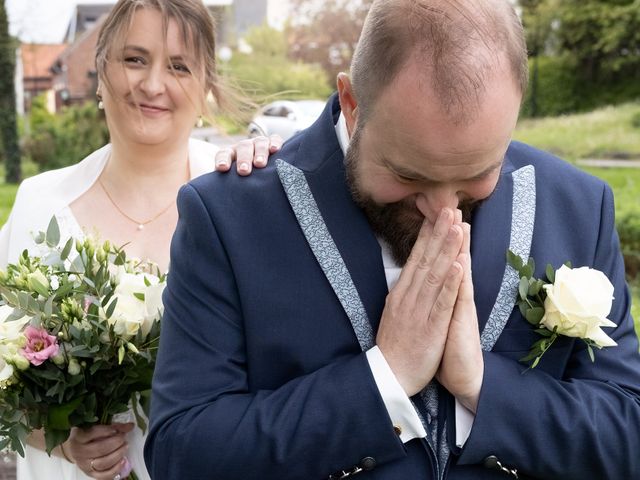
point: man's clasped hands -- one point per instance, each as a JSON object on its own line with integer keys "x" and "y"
{"x": 429, "y": 326}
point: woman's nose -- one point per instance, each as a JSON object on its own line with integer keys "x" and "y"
{"x": 153, "y": 82}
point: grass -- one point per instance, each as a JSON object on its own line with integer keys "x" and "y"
{"x": 604, "y": 133}
{"x": 7, "y": 194}
{"x": 625, "y": 183}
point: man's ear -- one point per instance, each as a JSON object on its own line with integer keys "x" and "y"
{"x": 348, "y": 103}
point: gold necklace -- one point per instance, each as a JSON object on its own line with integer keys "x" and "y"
{"x": 140, "y": 225}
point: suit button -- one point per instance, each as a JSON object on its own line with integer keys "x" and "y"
{"x": 368, "y": 463}
{"x": 492, "y": 462}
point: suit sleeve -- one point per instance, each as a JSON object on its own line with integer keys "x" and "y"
{"x": 207, "y": 422}
{"x": 583, "y": 425}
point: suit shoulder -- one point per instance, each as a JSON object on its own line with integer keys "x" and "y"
{"x": 551, "y": 170}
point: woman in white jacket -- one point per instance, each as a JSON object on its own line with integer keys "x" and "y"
{"x": 156, "y": 67}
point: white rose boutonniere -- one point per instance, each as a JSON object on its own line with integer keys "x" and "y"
{"x": 573, "y": 302}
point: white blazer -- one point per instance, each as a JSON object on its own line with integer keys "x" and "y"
{"x": 42, "y": 196}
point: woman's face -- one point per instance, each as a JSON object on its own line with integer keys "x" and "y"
{"x": 153, "y": 94}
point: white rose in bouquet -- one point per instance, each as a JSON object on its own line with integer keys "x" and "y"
{"x": 139, "y": 303}
{"x": 578, "y": 303}
{"x": 11, "y": 338}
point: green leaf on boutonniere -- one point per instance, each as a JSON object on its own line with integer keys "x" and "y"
{"x": 523, "y": 288}
{"x": 551, "y": 273}
{"x": 534, "y": 315}
{"x": 544, "y": 332}
{"x": 514, "y": 260}
{"x": 526, "y": 271}
{"x": 531, "y": 264}
{"x": 591, "y": 354}
{"x": 534, "y": 287}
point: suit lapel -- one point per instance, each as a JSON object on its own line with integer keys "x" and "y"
{"x": 504, "y": 221}
{"x": 490, "y": 231}
{"x": 320, "y": 160}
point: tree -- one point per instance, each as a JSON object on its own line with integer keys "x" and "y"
{"x": 326, "y": 32}
{"x": 8, "y": 120}
{"x": 603, "y": 36}
{"x": 268, "y": 72}
{"x": 584, "y": 53}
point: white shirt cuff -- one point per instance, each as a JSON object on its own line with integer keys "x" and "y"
{"x": 464, "y": 422}
{"x": 401, "y": 411}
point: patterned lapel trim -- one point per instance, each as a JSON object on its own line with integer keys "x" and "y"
{"x": 325, "y": 250}
{"x": 522, "y": 221}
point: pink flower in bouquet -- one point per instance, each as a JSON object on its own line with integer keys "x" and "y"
{"x": 40, "y": 345}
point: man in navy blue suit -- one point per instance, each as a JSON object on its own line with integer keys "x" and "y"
{"x": 322, "y": 319}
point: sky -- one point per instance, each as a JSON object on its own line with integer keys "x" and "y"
{"x": 39, "y": 21}
{"x": 43, "y": 21}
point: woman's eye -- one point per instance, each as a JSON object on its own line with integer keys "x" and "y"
{"x": 180, "y": 68}
{"x": 134, "y": 60}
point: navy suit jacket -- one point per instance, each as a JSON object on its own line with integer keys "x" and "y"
{"x": 260, "y": 374}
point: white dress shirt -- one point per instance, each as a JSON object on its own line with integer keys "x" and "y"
{"x": 402, "y": 413}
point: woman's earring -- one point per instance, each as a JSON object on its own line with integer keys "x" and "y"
{"x": 200, "y": 122}
{"x": 100, "y": 103}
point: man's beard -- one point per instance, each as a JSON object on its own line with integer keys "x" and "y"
{"x": 399, "y": 223}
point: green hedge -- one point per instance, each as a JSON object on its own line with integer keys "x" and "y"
{"x": 558, "y": 89}
{"x": 59, "y": 140}
{"x": 629, "y": 230}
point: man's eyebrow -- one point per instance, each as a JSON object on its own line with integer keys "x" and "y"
{"x": 408, "y": 173}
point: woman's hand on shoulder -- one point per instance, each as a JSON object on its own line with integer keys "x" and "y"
{"x": 249, "y": 153}
{"x": 99, "y": 451}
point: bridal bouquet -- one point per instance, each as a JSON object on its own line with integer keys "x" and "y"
{"x": 79, "y": 331}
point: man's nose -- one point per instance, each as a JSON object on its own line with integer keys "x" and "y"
{"x": 432, "y": 200}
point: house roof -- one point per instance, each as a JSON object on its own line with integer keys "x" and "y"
{"x": 37, "y": 58}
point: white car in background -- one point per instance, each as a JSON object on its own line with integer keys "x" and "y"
{"x": 285, "y": 117}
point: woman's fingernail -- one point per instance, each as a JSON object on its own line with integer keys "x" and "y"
{"x": 260, "y": 160}
{"x": 244, "y": 168}
{"x": 221, "y": 164}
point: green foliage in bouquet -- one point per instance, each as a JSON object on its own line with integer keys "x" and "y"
{"x": 79, "y": 332}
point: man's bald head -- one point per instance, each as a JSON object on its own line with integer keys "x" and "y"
{"x": 460, "y": 43}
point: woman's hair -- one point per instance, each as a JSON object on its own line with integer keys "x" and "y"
{"x": 195, "y": 25}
